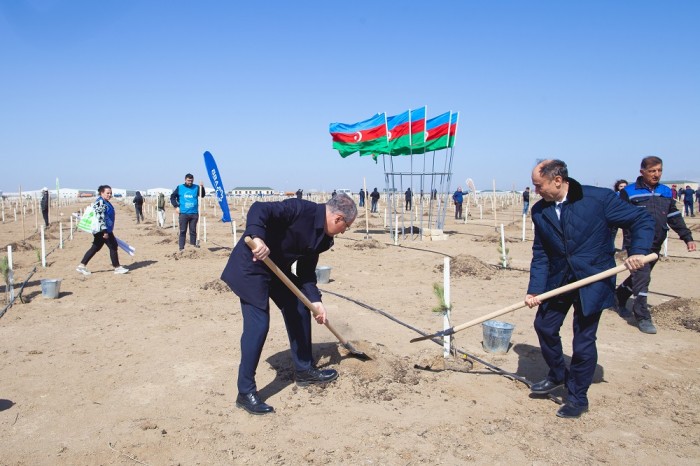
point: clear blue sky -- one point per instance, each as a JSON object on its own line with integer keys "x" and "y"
{"x": 131, "y": 92}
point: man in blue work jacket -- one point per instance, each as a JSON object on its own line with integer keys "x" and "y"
{"x": 573, "y": 240}
{"x": 294, "y": 230}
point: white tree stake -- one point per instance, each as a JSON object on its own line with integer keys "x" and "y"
{"x": 524, "y": 221}
{"x": 446, "y": 342}
{"x": 503, "y": 247}
{"x": 396, "y": 231}
{"x": 60, "y": 235}
{"x": 204, "y": 221}
{"x": 43, "y": 248}
{"x": 10, "y": 273}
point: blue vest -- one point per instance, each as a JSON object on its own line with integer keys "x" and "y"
{"x": 188, "y": 198}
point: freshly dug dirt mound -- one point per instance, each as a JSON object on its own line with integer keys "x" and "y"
{"x": 367, "y": 244}
{"x": 679, "y": 313}
{"x": 466, "y": 265}
{"x": 217, "y": 286}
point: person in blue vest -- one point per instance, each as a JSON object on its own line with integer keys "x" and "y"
{"x": 186, "y": 202}
{"x": 362, "y": 197}
{"x": 458, "y": 198}
{"x": 573, "y": 240}
{"x": 294, "y": 230}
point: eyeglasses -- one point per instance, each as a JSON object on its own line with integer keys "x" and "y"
{"x": 347, "y": 225}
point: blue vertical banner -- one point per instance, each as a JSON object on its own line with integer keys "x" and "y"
{"x": 215, "y": 178}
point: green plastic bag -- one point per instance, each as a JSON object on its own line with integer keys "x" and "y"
{"x": 88, "y": 222}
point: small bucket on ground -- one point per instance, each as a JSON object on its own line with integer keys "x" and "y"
{"x": 497, "y": 336}
{"x": 323, "y": 274}
{"x": 50, "y": 288}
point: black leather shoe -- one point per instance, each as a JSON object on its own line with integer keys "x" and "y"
{"x": 315, "y": 376}
{"x": 569, "y": 411}
{"x": 543, "y": 387}
{"x": 252, "y": 403}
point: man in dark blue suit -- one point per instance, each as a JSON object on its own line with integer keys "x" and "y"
{"x": 287, "y": 231}
{"x": 572, "y": 241}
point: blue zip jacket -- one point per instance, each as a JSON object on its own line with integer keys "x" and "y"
{"x": 581, "y": 244}
{"x": 659, "y": 203}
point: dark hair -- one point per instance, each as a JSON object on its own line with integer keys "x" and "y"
{"x": 189, "y": 175}
{"x": 650, "y": 161}
{"x": 552, "y": 168}
{"x": 344, "y": 205}
{"x": 618, "y": 183}
{"x": 103, "y": 187}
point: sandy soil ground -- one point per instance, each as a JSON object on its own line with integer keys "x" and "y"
{"x": 140, "y": 368}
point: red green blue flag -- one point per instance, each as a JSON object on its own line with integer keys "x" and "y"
{"x": 368, "y": 136}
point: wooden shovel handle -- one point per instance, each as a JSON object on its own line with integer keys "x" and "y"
{"x": 555, "y": 292}
{"x": 294, "y": 289}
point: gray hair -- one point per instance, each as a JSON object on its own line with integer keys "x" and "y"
{"x": 343, "y": 204}
{"x": 550, "y": 169}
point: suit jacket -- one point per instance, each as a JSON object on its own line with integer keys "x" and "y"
{"x": 294, "y": 231}
{"x": 581, "y": 244}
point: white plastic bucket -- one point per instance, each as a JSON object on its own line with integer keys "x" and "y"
{"x": 50, "y": 288}
{"x": 497, "y": 336}
{"x": 323, "y": 274}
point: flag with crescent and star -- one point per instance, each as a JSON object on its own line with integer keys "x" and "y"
{"x": 367, "y": 136}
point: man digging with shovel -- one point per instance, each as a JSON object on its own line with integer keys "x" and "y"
{"x": 287, "y": 231}
{"x": 573, "y": 240}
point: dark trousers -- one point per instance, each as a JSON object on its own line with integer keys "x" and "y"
{"x": 689, "y": 208}
{"x": 97, "y": 242}
{"x": 374, "y": 205}
{"x": 637, "y": 285}
{"x": 458, "y": 210}
{"x": 188, "y": 221}
{"x": 362, "y": 202}
{"x": 584, "y": 359}
{"x": 409, "y": 204}
{"x": 139, "y": 213}
{"x": 45, "y": 214}
{"x": 256, "y": 323}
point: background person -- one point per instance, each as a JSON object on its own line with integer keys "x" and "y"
{"x": 186, "y": 202}
{"x": 648, "y": 194}
{"x": 45, "y": 205}
{"x": 287, "y": 231}
{"x": 374, "y": 195}
{"x": 458, "y": 198}
{"x": 526, "y": 200}
{"x": 104, "y": 212}
{"x": 573, "y": 241}
{"x": 138, "y": 206}
{"x": 160, "y": 206}
{"x": 688, "y": 199}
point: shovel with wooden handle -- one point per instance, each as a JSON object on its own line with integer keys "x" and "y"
{"x": 549, "y": 294}
{"x": 297, "y": 292}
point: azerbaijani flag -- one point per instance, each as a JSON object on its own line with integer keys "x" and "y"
{"x": 367, "y": 136}
{"x": 418, "y": 127}
{"x": 398, "y": 133}
{"x": 453, "y": 128}
{"x": 437, "y": 132}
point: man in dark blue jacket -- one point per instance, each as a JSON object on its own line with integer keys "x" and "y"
{"x": 572, "y": 241}
{"x": 287, "y": 231}
{"x": 648, "y": 194}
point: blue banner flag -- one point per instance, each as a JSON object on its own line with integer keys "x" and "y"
{"x": 215, "y": 178}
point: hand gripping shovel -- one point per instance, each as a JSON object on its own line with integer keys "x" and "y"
{"x": 549, "y": 294}
{"x": 293, "y": 288}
